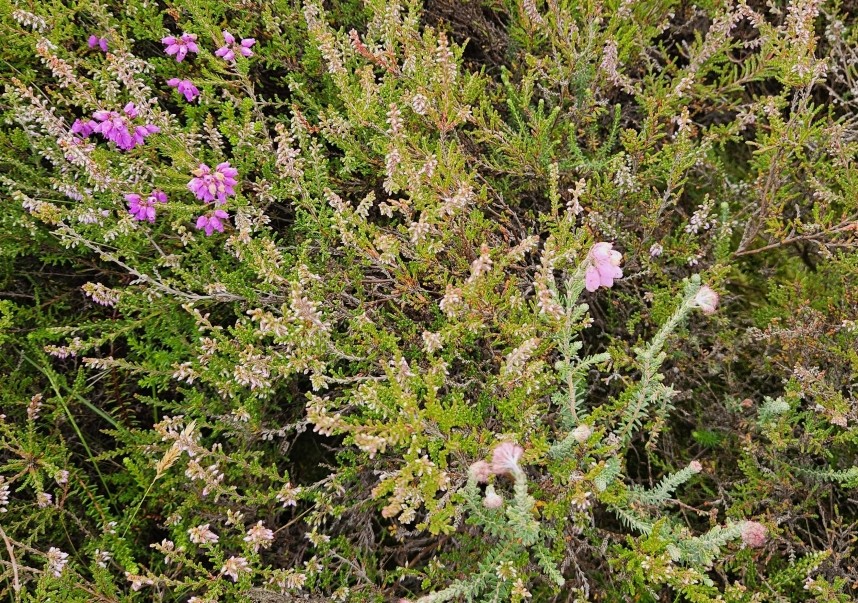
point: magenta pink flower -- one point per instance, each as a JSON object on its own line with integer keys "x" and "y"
{"x": 505, "y": 458}
{"x": 83, "y": 128}
{"x": 604, "y": 267}
{"x": 180, "y": 46}
{"x": 217, "y": 186}
{"x": 96, "y": 41}
{"x": 212, "y": 221}
{"x": 229, "y": 50}
{"x": 118, "y": 128}
{"x": 185, "y": 87}
{"x": 144, "y": 209}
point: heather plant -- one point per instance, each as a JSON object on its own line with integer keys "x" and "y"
{"x": 443, "y": 301}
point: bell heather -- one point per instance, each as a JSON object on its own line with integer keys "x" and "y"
{"x": 604, "y": 267}
{"x": 83, "y": 128}
{"x": 217, "y": 186}
{"x": 185, "y": 87}
{"x": 212, "y": 221}
{"x": 99, "y": 42}
{"x": 180, "y": 46}
{"x": 228, "y": 50}
{"x": 118, "y": 128}
{"x": 144, "y": 209}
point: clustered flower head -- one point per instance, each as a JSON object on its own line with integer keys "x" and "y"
{"x": 259, "y": 536}
{"x": 202, "y": 535}
{"x": 117, "y": 127}
{"x": 582, "y": 433}
{"x": 481, "y": 471}
{"x": 706, "y": 299}
{"x": 212, "y": 221}
{"x": 144, "y": 209}
{"x": 185, "y": 87}
{"x": 181, "y": 46}
{"x": 233, "y": 566}
{"x": 754, "y": 534}
{"x": 492, "y": 499}
{"x": 604, "y": 267}
{"x": 83, "y": 128}
{"x": 229, "y": 50}
{"x": 216, "y": 186}
{"x": 213, "y": 186}
{"x": 94, "y": 41}
{"x": 505, "y": 458}
{"x": 57, "y": 561}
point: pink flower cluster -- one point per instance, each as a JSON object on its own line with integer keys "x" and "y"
{"x": 181, "y": 46}
{"x": 229, "y": 50}
{"x": 505, "y": 459}
{"x": 706, "y": 299}
{"x": 213, "y": 186}
{"x": 604, "y": 267}
{"x": 185, "y": 87}
{"x": 94, "y": 41}
{"x": 754, "y": 534}
{"x": 116, "y": 127}
{"x": 144, "y": 209}
{"x": 212, "y": 221}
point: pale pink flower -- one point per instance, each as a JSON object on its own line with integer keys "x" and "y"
{"x": 138, "y": 582}
{"x": 706, "y": 299}
{"x": 754, "y": 534}
{"x": 57, "y": 561}
{"x": 202, "y": 535}
{"x": 604, "y": 267}
{"x": 492, "y": 500}
{"x": 229, "y": 50}
{"x": 233, "y": 566}
{"x": 259, "y": 536}
{"x": 43, "y": 499}
{"x": 288, "y": 495}
{"x": 695, "y": 466}
{"x": 505, "y": 458}
{"x": 480, "y": 471}
{"x": 582, "y": 433}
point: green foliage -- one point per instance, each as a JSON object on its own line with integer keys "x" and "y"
{"x": 303, "y": 406}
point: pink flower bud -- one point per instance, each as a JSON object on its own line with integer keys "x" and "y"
{"x": 695, "y": 466}
{"x": 754, "y": 534}
{"x": 492, "y": 500}
{"x": 582, "y": 433}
